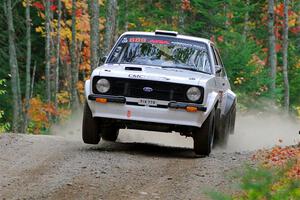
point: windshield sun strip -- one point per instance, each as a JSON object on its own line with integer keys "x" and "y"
{"x": 179, "y": 40}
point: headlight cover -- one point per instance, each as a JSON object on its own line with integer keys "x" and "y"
{"x": 103, "y": 85}
{"x": 193, "y": 94}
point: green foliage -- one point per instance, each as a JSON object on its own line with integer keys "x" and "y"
{"x": 218, "y": 195}
{"x": 294, "y": 72}
{"x": 243, "y": 43}
{"x": 2, "y": 82}
{"x": 260, "y": 183}
{"x": 208, "y": 17}
{"x": 242, "y": 52}
{"x": 264, "y": 183}
{"x": 3, "y": 126}
{"x": 245, "y": 67}
{"x": 151, "y": 15}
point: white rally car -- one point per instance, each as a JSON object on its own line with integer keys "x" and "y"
{"x": 160, "y": 81}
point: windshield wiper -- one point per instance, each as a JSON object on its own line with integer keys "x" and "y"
{"x": 186, "y": 68}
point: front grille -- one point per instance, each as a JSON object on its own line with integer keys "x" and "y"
{"x": 135, "y": 88}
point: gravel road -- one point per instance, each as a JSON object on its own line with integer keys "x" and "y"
{"x": 53, "y": 167}
{"x": 139, "y": 166}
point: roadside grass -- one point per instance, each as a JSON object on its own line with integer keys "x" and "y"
{"x": 275, "y": 177}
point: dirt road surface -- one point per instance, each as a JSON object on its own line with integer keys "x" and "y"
{"x": 52, "y": 167}
{"x": 139, "y": 166}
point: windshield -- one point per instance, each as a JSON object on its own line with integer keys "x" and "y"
{"x": 161, "y": 51}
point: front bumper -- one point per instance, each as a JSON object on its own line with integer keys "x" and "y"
{"x": 174, "y": 113}
{"x": 122, "y": 100}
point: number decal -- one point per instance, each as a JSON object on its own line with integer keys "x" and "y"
{"x": 137, "y": 40}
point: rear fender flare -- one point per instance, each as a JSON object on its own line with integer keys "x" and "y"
{"x": 230, "y": 102}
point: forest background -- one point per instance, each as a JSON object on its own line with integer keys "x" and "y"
{"x": 48, "y": 48}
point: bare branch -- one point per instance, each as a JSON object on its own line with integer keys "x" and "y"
{"x": 5, "y": 8}
{"x": 15, "y": 3}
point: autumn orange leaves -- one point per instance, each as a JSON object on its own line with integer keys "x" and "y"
{"x": 281, "y": 156}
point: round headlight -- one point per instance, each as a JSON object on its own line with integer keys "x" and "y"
{"x": 103, "y": 85}
{"x": 193, "y": 94}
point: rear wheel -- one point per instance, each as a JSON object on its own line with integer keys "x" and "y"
{"x": 232, "y": 121}
{"x": 110, "y": 133}
{"x": 90, "y": 127}
{"x": 204, "y": 136}
{"x": 222, "y": 132}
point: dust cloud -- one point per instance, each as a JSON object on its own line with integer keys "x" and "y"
{"x": 70, "y": 128}
{"x": 256, "y": 130}
{"x": 253, "y": 130}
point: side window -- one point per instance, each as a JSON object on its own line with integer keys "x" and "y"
{"x": 219, "y": 61}
{"x": 219, "y": 58}
{"x": 223, "y": 73}
{"x": 214, "y": 55}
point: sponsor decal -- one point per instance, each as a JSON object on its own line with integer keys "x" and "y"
{"x": 129, "y": 114}
{"x": 187, "y": 45}
{"x": 145, "y": 40}
{"x": 159, "y": 41}
{"x": 136, "y": 76}
{"x": 164, "y": 42}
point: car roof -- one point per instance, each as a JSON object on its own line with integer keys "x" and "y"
{"x": 172, "y": 36}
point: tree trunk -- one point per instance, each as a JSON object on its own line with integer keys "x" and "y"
{"x": 181, "y": 21}
{"x": 47, "y": 52}
{"x": 126, "y": 15}
{"x": 28, "y": 63}
{"x": 74, "y": 70}
{"x": 56, "y": 90}
{"x": 285, "y": 56}
{"x": 272, "y": 43}
{"x": 111, "y": 23}
{"x": 94, "y": 24}
{"x": 116, "y": 35}
{"x": 32, "y": 80}
{"x": 246, "y": 21}
{"x": 15, "y": 86}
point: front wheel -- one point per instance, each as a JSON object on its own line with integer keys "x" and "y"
{"x": 204, "y": 136}
{"x": 90, "y": 127}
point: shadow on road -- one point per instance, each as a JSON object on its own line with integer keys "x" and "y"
{"x": 146, "y": 149}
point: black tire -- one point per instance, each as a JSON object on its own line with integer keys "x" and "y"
{"x": 90, "y": 127}
{"x": 232, "y": 121}
{"x": 222, "y": 132}
{"x": 110, "y": 133}
{"x": 204, "y": 136}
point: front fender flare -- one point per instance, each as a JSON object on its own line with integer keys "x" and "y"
{"x": 87, "y": 89}
{"x": 212, "y": 100}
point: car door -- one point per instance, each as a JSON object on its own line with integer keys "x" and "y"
{"x": 222, "y": 83}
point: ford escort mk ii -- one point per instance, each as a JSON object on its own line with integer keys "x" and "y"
{"x": 160, "y": 81}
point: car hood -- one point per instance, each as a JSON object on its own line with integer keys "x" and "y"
{"x": 155, "y": 73}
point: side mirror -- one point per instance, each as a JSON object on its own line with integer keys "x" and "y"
{"x": 218, "y": 69}
{"x": 103, "y": 59}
